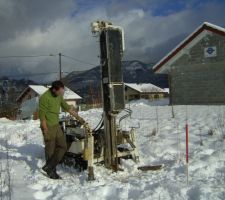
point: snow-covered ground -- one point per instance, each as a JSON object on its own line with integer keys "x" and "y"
{"x": 21, "y": 142}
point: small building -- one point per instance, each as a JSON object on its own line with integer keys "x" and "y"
{"x": 134, "y": 91}
{"x": 30, "y": 92}
{"x": 196, "y": 67}
{"x": 71, "y": 97}
{"x": 28, "y": 100}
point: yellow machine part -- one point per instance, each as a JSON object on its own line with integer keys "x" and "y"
{"x": 87, "y": 154}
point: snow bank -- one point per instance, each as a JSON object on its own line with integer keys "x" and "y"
{"x": 4, "y": 120}
{"x": 160, "y": 138}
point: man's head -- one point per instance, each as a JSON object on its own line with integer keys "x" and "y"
{"x": 57, "y": 88}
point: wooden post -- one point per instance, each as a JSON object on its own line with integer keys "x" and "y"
{"x": 187, "y": 156}
{"x": 187, "y": 151}
{"x": 170, "y": 93}
{"x": 91, "y": 176}
{"x": 89, "y": 155}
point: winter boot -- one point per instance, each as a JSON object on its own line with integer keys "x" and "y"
{"x": 56, "y": 174}
{"x": 51, "y": 173}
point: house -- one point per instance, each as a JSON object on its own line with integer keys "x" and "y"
{"x": 30, "y": 92}
{"x": 196, "y": 67}
{"x": 28, "y": 100}
{"x": 134, "y": 91}
{"x": 71, "y": 97}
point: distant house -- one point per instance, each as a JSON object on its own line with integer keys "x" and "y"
{"x": 71, "y": 97}
{"x": 196, "y": 67}
{"x": 30, "y": 92}
{"x": 28, "y": 100}
{"x": 134, "y": 91}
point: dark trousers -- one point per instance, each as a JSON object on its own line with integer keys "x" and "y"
{"x": 55, "y": 145}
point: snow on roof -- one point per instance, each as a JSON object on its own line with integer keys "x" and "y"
{"x": 144, "y": 87}
{"x": 167, "y": 90}
{"x": 194, "y": 37}
{"x": 69, "y": 94}
{"x": 219, "y": 28}
{"x": 39, "y": 89}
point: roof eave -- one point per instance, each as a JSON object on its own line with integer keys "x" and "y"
{"x": 21, "y": 95}
{"x": 205, "y": 26}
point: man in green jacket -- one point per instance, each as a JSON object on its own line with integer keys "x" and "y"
{"x": 55, "y": 142}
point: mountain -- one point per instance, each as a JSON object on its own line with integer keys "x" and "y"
{"x": 87, "y": 83}
{"x": 139, "y": 72}
{"x": 10, "y": 89}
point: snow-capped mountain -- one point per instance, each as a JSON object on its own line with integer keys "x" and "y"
{"x": 133, "y": 72}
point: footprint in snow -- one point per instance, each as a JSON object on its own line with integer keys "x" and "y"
{"x": 42, "y": 195}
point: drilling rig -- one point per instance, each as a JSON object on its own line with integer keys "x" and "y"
{"x": 111, "y": 52}
{"x": 107, "y": 143}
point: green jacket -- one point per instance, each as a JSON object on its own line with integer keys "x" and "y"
{"x": 49, "y": 107}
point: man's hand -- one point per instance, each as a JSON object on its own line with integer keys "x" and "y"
{"x": 74, "y": 113}
{"x": 44, "y": 127}
{"x": 87, "y": 127}
{"x": 80, "y": 119}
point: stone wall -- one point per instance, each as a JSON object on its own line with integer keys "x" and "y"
{"x": 196, "y": 79}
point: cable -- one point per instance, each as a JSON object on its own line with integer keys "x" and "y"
{"x": 129, "y": 112}
{"x": 38, "y": 56}
{"x": 71, "y": 62}
{"x": 99, "y": 124}
{"x": 36, "y": 74}
{"x": 78, "y": 60}
{"x": 32, "y": 56}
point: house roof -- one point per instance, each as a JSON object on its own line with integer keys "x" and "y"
{"x": 69, "y": 94}
{"x": 40, "y": 89}
{"x": 166, "y": 90}
{"x": 206, "y": 28}
{"x": 144, "y": 87}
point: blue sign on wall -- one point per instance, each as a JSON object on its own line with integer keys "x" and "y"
{"x": 210, "y": 52}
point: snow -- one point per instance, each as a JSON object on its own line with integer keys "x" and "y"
{"x": 166, "y": 90}
{"x": 23, "y": 142}
{"x": 69, "y": 94}
{"x": 144, "y": 87}
{"x": 219, "y": 28}
{"x": 39, "y": 89}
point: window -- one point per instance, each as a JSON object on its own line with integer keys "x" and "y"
{"x": 156, "y": 96}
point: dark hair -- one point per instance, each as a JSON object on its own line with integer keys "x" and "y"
{"x": 57, "y": 85}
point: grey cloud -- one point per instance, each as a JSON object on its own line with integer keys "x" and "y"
{"x": 44, "y": 27}
{"x": 148, "y": 37}
{"x": 17, "y": 16}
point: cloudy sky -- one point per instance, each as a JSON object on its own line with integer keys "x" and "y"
{"x": 47, "y": 27}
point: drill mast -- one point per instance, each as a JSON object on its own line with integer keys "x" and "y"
{"x": 111, "y": 52}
